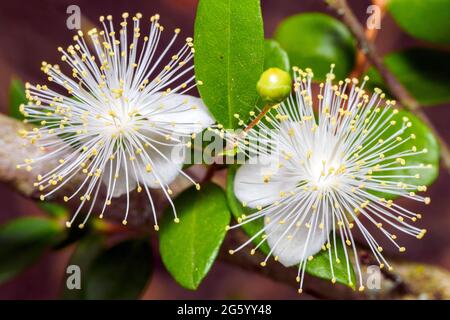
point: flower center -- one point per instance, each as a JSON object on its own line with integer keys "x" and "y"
{"x": 119, "y": 123}
{"x": 323, "y": 173}
{"x": 122, "y": 123}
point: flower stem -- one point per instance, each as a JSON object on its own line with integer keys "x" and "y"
{"x": 258, "y": 118}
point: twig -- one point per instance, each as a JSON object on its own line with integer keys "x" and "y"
{"x": 371, "y": 34}
{"x": 396, "y": 88}
{"x": 258, "y": 118}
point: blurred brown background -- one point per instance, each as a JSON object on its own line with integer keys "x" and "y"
{"x": 30, "y": 31}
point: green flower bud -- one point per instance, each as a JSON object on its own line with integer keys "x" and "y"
{"x": 274, "y": 85}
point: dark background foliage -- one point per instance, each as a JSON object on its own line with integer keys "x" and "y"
{"x": 30, "y": 31}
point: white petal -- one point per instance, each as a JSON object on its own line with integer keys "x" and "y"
{"x": 250, "y": 186}
{"x": 120, "y": 186}
{"x": 291, "y": 251}
{"x": 184, "y": 113}
{"x": 165, "y": 164}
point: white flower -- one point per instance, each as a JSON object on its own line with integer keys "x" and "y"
{"x": 323, "y": 180}
{"x": 125, "y": 118}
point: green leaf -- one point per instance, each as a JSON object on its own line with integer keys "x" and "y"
{"x": 87, "y": 250}
{"x": 120, "y": 272}
{"x": 425, "y": 73}
{"x": 275, "y": 56}
{"x": 22, "y": 242}
{"x": 189, "y": 248}
{"x": 54, "y": 210}
{"x": 229, "y": 56}
{"x": 427, "y": 20}
{"x": 424, "y": 140}
{"x": 16, "y": 98}
{"x": 238, "y": 210}
{"x": 315, "y": 40}
{"x": 318, "y": 267}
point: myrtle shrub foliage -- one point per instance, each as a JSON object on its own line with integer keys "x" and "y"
{"x": 231, "y": 53}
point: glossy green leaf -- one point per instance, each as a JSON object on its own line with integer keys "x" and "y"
{"x": 315, "y": 40}
{"x": 427, "y": 20}
{"x": 23, "y": 241}
{"x": 189, "y": 248}
{"x": 16, "y": 98}
{"x": 120, "y": 272}
{"x": 275, "y": 56}
{"x": 318, "y": 267}
{"x": 54, "y": 210}
{"x": 425, "y": 73}
{"x": 229, "y": 56}
{"x": 87, "y": 250}
{"x": 424, "y": 139}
